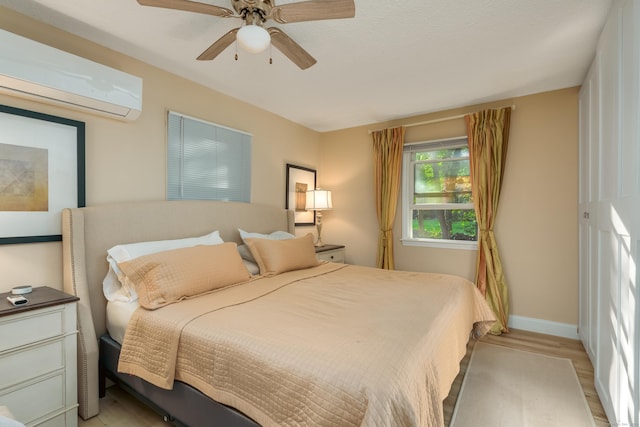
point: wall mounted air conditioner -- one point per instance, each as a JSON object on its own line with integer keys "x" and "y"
{"x": 36, "y": 71}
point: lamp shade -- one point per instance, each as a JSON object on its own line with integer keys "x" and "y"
{"x": 253, "y": 39}
{"x": 318, "y": 200}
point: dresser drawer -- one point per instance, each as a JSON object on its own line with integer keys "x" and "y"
{"x": 58, "y": 421}
{"x": 31, "y": 362}
{"x": 332, "y": 256}
{"x": 37, "y": 400}
{"x": 30, "y": 326}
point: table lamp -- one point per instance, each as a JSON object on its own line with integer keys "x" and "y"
{"x": 319, "y": 200}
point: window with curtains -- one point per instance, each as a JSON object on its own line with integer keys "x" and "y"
{"x": 206, "y": 161}
{"x": 437, "y": 205}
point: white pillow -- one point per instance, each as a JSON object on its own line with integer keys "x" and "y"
{"x": 276, "y": 235}
{"x": 115, "y": 289}
{"x": 252, "y": 267}
{"x": 6, "y": 418}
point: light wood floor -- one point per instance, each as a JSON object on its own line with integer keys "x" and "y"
{"x": 118, "y": 409}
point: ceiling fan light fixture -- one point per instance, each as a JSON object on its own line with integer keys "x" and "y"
{"x": 253, "y": 38}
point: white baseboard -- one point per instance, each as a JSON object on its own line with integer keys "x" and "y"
{"x": 548, "y": 327}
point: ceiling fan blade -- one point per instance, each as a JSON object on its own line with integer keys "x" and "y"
{"x": 221, "y": 44}
{"x": 190, "y": 6}
{"x": 313, "y": 10}
{"x": 291, "y": 49}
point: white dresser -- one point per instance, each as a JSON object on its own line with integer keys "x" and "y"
{"x": 38, "y": 358}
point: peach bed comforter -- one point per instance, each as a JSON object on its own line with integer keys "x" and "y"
{"x": 332, "y": 345}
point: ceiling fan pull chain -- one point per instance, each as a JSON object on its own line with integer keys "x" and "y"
{"x": 270, "y": 55}
{"x": 236, "y": 51}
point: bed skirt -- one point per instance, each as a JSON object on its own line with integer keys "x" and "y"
{"x": 183, "y": 405}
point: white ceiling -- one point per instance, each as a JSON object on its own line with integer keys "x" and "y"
{"x": 394, "y": 59}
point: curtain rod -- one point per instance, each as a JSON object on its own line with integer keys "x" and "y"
{"x": 444, "y": 119}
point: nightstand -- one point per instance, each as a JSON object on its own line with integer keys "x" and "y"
{"x": 38, "y": 351}
{"x": 331, "y": 253}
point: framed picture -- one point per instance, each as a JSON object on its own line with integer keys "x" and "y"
{"x": 299, "y": 181}
{"x": 42, "y": 171}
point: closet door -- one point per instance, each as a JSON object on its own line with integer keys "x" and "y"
{"x": 627, "y": 203}
{"x": 587, "y": 182}
{"x": 610, "y": 234}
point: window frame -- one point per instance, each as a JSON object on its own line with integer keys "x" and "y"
{"x": 408, "y": 206}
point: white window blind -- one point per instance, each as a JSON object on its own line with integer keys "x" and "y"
{"x": 206, "y": 161}
{"x": 442, "y": 144}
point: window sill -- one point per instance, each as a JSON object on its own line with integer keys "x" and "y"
{"x": 442, "y": 244}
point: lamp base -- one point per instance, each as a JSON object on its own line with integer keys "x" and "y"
{"x": 319, "y": 241}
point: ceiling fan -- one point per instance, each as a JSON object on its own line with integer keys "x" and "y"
{"x": 253, "y": 36}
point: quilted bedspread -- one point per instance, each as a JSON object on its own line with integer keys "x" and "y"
{"x": 333, "y": 345}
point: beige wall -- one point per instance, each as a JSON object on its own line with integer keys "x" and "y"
{"x": 126, "y": 161}
{"x": 536, "y": 227}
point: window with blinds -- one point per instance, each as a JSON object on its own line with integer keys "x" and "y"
{"x": 437, "y": 200}
{"x": 206, "y": 161}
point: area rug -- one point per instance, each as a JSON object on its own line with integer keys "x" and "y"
{"x": 507, "y": 387}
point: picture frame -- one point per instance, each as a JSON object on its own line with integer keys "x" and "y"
{"x": 42, "y": 171}
{"x": 300, "y": 180}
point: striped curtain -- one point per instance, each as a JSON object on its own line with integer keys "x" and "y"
{"x": 387, "y": 165}
{"x": 488, "y": 134}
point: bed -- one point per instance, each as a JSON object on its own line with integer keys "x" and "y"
{"x": 326, "y": 344}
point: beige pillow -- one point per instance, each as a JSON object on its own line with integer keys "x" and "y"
{"x": 170, "y": 276}
{"x": 278, "y": 256}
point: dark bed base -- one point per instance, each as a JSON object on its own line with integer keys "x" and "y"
{"x": 183, "y": 406}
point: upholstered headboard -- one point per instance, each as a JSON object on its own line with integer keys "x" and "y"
{"x": 87, "y": 234}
